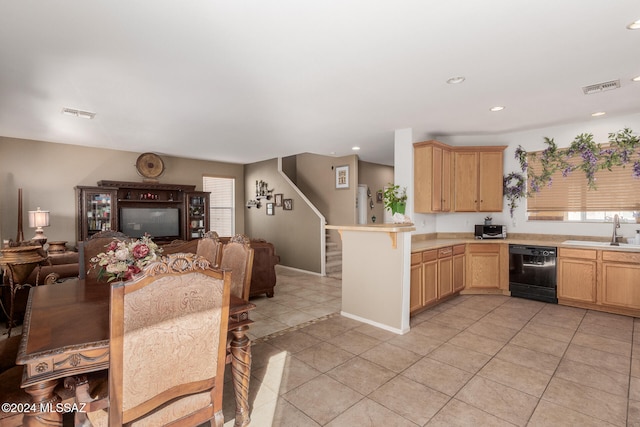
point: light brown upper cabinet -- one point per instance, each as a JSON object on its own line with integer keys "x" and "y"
{"x": 432, "y": 166}
{"x": 478, "y": 179}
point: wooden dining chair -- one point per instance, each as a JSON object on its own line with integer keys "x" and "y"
{"x": 167, "y": 344}
{"x": 210, "y": 247}
{"x": 237, "y": 256}
{"x": 180, "y": 246}
{"x": 92, "y": 247}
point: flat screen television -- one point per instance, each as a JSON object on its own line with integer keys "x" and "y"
{"x": 160, "y": 223}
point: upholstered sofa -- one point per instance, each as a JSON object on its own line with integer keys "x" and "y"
{"x": 56, "y": 267}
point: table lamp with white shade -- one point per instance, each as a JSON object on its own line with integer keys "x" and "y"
{"x": 37, "y": 220}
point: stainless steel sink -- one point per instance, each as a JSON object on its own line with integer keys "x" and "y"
{"x": 598, "y": 244}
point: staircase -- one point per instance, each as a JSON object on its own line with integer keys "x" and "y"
{"x": 333, "y": 267}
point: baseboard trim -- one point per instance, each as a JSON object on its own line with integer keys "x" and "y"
{"x": 376, "y": 324}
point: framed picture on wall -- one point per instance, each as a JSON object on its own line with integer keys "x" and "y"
{"x": 379, "y": 196}
{"x": 277, "y": 198}
{"x": 288, "y": 205}
{"x": 270, "y": 210}
{"x": 342, "y": 176}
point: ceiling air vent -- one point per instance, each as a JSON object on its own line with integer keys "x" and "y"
{"x": 601, "y": 87}
{"x": 78, "y": 113}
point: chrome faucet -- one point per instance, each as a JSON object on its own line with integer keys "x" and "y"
{"x": 614, "y": 236}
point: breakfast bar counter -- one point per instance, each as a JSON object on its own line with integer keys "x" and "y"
{"x": 375, "y": 274}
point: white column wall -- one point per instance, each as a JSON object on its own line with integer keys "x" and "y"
{"x": 403, "y": 176}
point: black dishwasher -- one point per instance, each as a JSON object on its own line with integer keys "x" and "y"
{"x": 532, "y": 272}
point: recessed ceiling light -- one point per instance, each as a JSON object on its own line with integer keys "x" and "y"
{"x": 356, "y": 148}
{"x": 635, "y": 25}
{"x": 78, "y": 113}
{"x": 497, "y": 108}
{"x": 598, "y": 114}
{"x": 636, "y": 79}
{"x": 455, "y": 80}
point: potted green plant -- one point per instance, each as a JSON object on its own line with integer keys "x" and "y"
{"x": 395, "y": 198}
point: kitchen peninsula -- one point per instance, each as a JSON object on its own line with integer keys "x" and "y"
{"x": 375, "y": 279}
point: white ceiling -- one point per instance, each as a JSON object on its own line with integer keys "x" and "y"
{"x": 244, "y": 81}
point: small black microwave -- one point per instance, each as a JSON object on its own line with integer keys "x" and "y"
{"x": 491, "y": 231}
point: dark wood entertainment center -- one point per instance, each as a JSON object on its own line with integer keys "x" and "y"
{"x": 99, "y": 208}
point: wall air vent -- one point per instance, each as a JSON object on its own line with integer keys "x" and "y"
{"x": 601, "y": 87}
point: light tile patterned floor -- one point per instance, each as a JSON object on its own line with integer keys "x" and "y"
{"x": 299, "y": 297}
{"x": 477, "y": 360}
{"x": 473, "y": 361}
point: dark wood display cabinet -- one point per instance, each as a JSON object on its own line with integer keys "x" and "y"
{"x": 197, "y": 214}
{"x": 95, "y": 210}
{"x": 165, "y": 211}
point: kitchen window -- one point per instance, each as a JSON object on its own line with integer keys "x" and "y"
{"x": 570, "y": 199}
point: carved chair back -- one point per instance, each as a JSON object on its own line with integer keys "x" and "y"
{"x": 210, "y": 247}
{"x": 90, "y": 248}
{"x": 167, "y": 343}
{"x": 237, "y": 256}
{"x": 178, "y": 246}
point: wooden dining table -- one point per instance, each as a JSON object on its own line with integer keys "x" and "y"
{"x": 66, "y": 333}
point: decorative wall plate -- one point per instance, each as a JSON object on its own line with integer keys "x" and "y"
{"x": 149, "y": 165}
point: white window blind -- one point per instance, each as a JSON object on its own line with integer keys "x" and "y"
{"x": 616, "y": 190}
{"x": 221, "y": 204}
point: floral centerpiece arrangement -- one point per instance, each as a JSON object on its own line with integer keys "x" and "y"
{"x": 123, "y": 259}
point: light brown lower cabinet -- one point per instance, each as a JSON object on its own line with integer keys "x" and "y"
{"x": 429, "y": 277}
{"x": 458, "y": 267}
{"x": 424, "y": 276}
{"x": 605, "y": 280}
{"x": 600, "y": 280}
{"x": 621, "y": 279}
{"x": 415, "y": 293}
{"x": 445, "y": 270}
{"x": 577, "y": 275}
{"x": 483, "y": 266}
{"x": 436, "y": 274}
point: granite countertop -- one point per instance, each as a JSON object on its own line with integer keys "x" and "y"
{"x": 419, "y": 245}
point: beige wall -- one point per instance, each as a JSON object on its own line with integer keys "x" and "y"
{"x": 375, "y": 177}
{"x": 48, "y": 173}
{"x": 296, "y": 234}
{"x": 375, "y": 289}
{"x": 316, "y": 178}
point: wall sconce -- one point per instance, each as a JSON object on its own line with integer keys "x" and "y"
{"x": 37, "y": 220}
